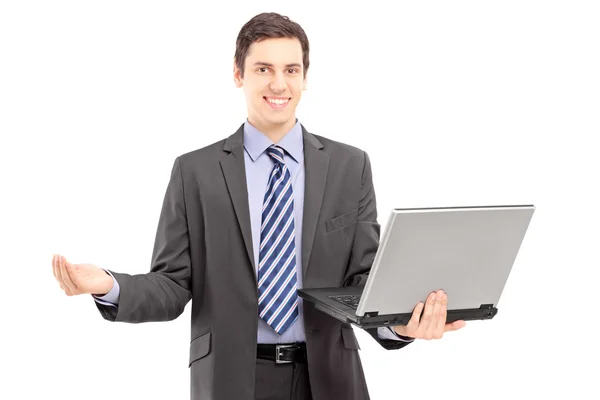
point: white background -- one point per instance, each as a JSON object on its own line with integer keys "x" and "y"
{"x": 456, "y": 102}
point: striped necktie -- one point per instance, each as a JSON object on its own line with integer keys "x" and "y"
{"x": 278, "y": 301}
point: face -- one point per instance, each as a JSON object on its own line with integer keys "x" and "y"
{"x": 273, "y": 82}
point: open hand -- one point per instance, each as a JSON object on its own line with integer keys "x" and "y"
{"x": 432, "y": 324}
{"x": 80, "y": 278}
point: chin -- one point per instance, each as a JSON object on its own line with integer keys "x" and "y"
{"x": 278, "y": 120}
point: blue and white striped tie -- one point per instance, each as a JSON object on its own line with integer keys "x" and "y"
{"x": 278, "y": 301}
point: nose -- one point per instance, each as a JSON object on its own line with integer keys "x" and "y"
{"x": 278, "y": 83}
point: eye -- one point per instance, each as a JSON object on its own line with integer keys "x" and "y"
{"x": 261, "y": 69}
{"x": 293, "y": 71}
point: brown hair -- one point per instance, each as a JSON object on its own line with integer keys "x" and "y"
{"x": 268, "y": 25}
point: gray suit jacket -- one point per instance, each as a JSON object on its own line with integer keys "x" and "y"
{"x": 203, "y": 251}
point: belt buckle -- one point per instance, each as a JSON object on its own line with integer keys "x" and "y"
{"x": 278, "y": 354}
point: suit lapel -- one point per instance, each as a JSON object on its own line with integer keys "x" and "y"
{"x": 316, "y": 165}
{"x": 234, "y": 171}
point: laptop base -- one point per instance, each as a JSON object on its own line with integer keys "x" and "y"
{"x": 322, "y": 300}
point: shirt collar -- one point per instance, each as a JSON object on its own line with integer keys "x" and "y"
{"x": 256, "y": 142}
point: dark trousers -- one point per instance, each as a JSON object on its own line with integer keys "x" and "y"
{"x": 281, "y": 381}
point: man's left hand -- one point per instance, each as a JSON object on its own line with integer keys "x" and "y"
{"x": 432, "y": 324}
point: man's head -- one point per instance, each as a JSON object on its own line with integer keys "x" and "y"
{"x": 270, "y": 63}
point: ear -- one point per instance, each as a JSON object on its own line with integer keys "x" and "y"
{"x": 237, "y": 76}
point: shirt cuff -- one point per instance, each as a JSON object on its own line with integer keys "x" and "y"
{"x": 387, "y": 332}
{"x": 112, "y": 297}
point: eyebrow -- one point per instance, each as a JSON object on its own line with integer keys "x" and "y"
{"x": 266, "y": 64}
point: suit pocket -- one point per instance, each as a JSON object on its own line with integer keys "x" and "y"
{"x": 349, "y": 338}
{"x": 199, "y": 347}
{"x": 342, "y": 220}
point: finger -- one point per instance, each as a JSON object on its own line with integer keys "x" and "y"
{"x": 442, "y": 313}
{"x": 413, "y": 323}
{"x": 67, "y": 274}
{"x": 427, "y": 316}
{"x": 54, "y": 270}
{"x": 432, "y": 329}
{"x": 454, "y": 326}
{"x": 70, "y": 268}
{"x": 59, "y": 275}
{"x": 66, "y": 279}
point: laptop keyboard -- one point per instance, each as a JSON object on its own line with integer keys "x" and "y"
{"x": 349, "y": 300}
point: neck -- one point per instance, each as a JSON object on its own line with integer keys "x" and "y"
{"x": 275, "y": 132}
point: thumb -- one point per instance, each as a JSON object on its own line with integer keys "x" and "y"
{"x": 456, "y": 325}
{"x": 71, "y": 266}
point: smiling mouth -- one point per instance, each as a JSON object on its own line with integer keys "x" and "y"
{"x": 277, "y": 103}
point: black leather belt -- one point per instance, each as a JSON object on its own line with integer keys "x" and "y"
{"x": 282, "y": 353}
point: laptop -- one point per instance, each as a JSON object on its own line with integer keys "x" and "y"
{"x": 466, "y": 251}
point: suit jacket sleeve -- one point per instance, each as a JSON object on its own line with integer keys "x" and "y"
{"x": 162, "y": 293}
{"x": 364, "y": 246}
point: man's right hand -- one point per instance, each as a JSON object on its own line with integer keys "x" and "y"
{"x": 80, "y": 278}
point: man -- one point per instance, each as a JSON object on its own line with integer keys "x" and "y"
{"x": 246, "y": 222}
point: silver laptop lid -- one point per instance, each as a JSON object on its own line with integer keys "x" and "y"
{"x": 466, "y": 251}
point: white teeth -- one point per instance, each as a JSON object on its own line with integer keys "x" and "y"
{"x": 277, "y": 101}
